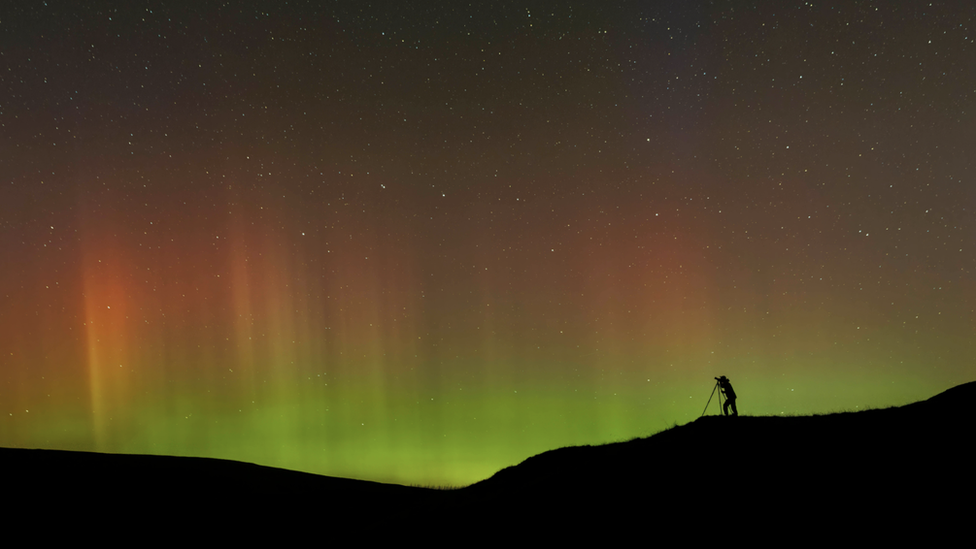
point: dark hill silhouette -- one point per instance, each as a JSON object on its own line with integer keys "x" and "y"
{"x": 879, "y": 471}
{"x": 875, "y": 472}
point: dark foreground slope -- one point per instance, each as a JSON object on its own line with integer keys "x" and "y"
{"x": 876, "y": 472}
{"x": 146, "y": 480}
{"x": 869, "y": 472}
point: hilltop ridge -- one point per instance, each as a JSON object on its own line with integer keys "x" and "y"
{"x": 900, "y": 461}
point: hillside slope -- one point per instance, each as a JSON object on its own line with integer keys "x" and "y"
{"x": 909, "y": 462}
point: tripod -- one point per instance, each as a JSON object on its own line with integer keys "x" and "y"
{"x": 716, "y": 387}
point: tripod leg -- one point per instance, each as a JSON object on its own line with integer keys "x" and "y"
{"x": 710, "y": 399}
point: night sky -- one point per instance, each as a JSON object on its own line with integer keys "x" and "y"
{"x": 419, "y": 242}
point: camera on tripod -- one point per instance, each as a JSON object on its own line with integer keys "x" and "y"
{"x": 726, "y": 390}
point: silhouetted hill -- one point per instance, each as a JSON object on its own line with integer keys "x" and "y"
{"x": 146, "y": 478}
{"x": 875, "y": 472}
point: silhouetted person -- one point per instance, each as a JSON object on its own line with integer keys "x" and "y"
{"x": 729, "y": 393}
